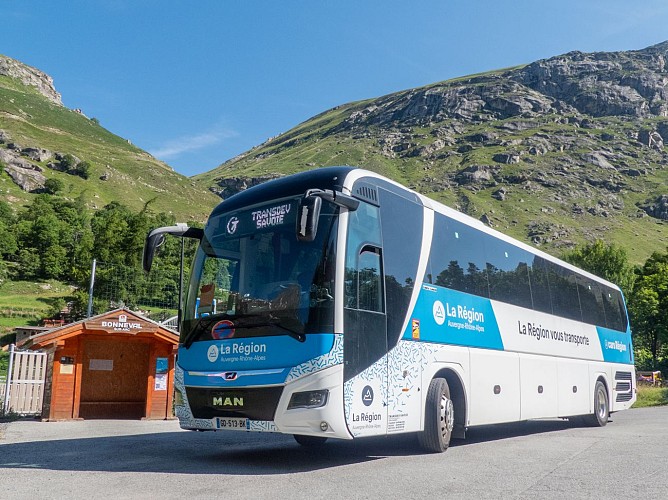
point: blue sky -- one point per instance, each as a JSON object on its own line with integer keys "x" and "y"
{"x": 196, "y": 83}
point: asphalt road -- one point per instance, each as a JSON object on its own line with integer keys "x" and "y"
{"x": 142, "y": 459}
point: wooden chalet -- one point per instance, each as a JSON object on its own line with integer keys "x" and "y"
{"x": 115, "y": 365}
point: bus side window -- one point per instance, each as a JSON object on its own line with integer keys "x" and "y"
{"x": 540, "y": 286}
{"x": 564, "y": 292}
{"x": 363, "y": 236}
{"x": 612, "y": 303}
{"x": 369, "y": 282}
{"x": 591, "y": 301}
{"x": 458, "y": 257}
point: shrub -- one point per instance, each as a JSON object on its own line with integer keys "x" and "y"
{"x": 67, "y": 162}
{"x": 53, "y": 186}
{"x": 83, "y": 170}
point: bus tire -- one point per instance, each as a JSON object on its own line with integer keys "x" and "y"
{"x": 309, "y": 441}
{"x": 601, "y": 407}
{"x": 439, "y": 417}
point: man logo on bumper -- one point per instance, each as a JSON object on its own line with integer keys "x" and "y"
{"x": 228, "y": 401}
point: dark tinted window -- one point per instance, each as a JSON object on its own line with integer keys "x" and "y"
{"x": 508, "y": 272}
{"x": 564, "y": 292}
{"x": 471, "y": 261}
{"x": 591, "y": 301}
{"x": 614, "y": 309}
{"x": 368, "y": 280}
{"x": 401, "y": 222}
{"x": 363, "y": 231}
{"x": 458, "y": 258}
{"x": 540, "y": 286}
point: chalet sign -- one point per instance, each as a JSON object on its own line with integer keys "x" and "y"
{"x": 120, "y": 323}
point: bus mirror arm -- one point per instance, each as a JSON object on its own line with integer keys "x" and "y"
{"x": 336, "y": 197}
{"x": 309, "y": 210}
{"x": 156, "y": 238}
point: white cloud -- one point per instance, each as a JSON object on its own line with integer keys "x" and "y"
{"x": 184, "y": 144}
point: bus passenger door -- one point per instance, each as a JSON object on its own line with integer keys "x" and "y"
{"x": 365, "y": 344}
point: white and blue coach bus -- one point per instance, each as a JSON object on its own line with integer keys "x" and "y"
{"x": 336, "y": 303}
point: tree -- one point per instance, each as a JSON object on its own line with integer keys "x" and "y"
{"x": 67, "y": 162}
{"x": 607, "y": 261}
{"x": 8, "y": 244}
{"x": 648, "y": 306}
{"x": 29, "y": 264}
{"x": 82, "y": 169}
{"x": 53, "y": 185}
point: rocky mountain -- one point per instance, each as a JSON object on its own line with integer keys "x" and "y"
{"x": 557, "y": 152}
{"x": 42, "y": 140}
{"x": 27, "y": 75}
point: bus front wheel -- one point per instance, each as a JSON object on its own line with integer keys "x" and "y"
{"x": 309, "y": 441}
{"x": 439, "y": 417}
{"x": 601, "y": 407}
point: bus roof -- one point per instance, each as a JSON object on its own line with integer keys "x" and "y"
{"x": 296, "y": 184}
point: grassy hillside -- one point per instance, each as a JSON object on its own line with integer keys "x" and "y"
{"x": 133, "y": 176}
{"x": 552, "y": 170}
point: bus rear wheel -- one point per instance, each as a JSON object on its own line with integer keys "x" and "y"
{"x": 439, "y": 417}
{"x": 309, "y": 441}
{"x": 601, "y": 407}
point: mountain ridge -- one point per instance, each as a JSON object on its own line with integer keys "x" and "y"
{"x": 556, "y": 152}
{"x": 41, "y": 140}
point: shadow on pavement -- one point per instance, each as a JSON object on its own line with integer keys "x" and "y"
{"x": 229, "y": 452}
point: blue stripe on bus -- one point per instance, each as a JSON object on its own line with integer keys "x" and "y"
{"x": 254, "y": 353}
{"x": 615, "y": 346}
{"x": 451, "y": 317}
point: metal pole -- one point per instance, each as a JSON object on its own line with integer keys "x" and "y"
{"x": 183, "y": 243}
{"x": 8, "y": 383}
{"x": 90, "y": 290}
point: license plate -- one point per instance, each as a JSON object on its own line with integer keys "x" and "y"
{"x": 232, "y": 423}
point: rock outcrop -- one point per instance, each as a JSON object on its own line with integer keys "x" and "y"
{"x": 30, "y": 76}
{"x": 226, "y": 187}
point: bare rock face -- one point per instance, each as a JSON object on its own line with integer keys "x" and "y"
{"x": 662, "y": 129}
{"x": 11, "y": 158}
{"x": 651, "y": 139}
{"x": 630, "y": 83}
{"x": 506, "y": 158}
{"x": 599, "y": 159}
{"x": 26, "y": 175}
{"x": 30, "y": 76}
{"x": 476, "y": 174}
{"x": 233, "y": 185}
{"x": 658, "y": 209}
{"x": 37, "y": 154}
{"x": 26, "y": 179}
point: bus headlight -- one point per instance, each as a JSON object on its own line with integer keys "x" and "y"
{"x": 308, "y": 399}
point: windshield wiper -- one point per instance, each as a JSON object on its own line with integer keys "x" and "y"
{"x": 202, "y": 326}
{"x": 301, "y": 337}
{"x": 275, "y": 321}
{"x": 205, "y": 323}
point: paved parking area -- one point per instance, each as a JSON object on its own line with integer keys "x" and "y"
{"x": 155, "y": 459}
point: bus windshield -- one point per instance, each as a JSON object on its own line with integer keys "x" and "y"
{"x": 252, "y": 277}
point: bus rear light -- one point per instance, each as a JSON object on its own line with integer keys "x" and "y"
{"x": 308, "y": 399}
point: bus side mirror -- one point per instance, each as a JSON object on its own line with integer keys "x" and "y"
{"x": 153, "y": 241}
{"x": 307, "y": 217}
{"x": 156, "y": 238}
